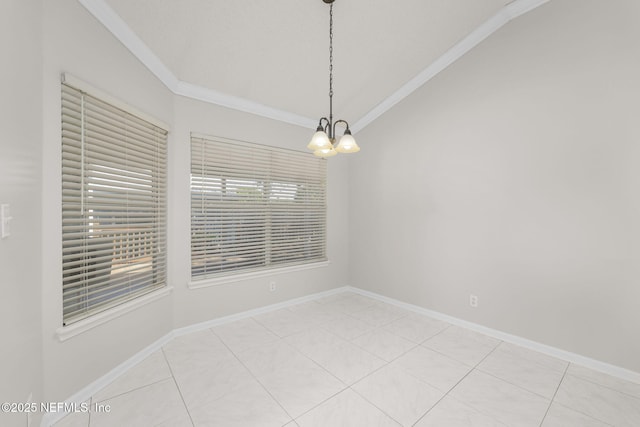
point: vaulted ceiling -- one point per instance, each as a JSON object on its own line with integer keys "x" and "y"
{"x": 271, "y": 57}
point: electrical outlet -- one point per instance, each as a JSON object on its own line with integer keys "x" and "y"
{"x": 473, "y": 300}
{"x": 272, "y": 286}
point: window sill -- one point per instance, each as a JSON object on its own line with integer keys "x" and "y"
{"x": 66, "y": 332}
{"x": 205, "y": 283}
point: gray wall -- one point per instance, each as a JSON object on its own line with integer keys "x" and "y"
{"x": 514, "y": 175}
{"x": 76, "y": 43}
{"x": 20, "y": 165}
{"x": 197, "y": 305}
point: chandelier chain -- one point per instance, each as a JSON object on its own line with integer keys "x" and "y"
{"x": 331, "y": 60}
{"x": 324, "y": 142}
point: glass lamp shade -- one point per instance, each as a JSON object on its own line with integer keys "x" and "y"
{"x": 319, "y": 141}
{"x": 326, "y": 152}
{"x": 347, "y": 144}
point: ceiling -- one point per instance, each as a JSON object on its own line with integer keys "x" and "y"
{"x": 271, "y": 57}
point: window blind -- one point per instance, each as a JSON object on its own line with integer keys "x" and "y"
{"x": 113, "y": 205}
{"x": 254, "y": 207}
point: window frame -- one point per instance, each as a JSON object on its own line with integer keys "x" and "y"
{"x": 277, "y": 187}
{"x": 144, "y": 183}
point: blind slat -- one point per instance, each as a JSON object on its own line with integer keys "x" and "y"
{"x": 113, "y": 205}
{"x": 254, "y": 207}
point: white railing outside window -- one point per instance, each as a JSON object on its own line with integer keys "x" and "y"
{"x": 113, "y": 205}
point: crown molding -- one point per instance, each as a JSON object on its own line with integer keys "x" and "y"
{"x": 241, "y": 104}
{"x": 112, "y": 22}
{"x": 490, "y": 26}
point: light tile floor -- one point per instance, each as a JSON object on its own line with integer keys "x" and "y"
{"x": 348, "y": 360}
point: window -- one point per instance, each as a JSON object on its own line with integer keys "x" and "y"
{"x": 254, "y": 207}
{"x": 113, "y": 205}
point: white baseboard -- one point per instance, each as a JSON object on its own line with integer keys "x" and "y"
{"x": 568, "y": 356}
{"x": 90, "y": 390}
{"x": 256, "y": 311}
{"x": 85, "y": 394}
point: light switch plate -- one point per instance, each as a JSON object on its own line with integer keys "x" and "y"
{"x": 5, "y": 219}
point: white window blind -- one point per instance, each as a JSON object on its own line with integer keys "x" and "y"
{"x": 113, "y": 205}
{"x": 254, "y": 207}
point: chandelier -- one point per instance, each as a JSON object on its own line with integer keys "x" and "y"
{"x": 323, "y": 141}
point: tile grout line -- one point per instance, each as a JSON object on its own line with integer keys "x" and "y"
{"x": 251, "y": 373}
{"x": 319, "y": 404}
{"x": 417, "y": 379}
{"x": 592, "y": 364}
{"x": 385, "y": 364}
{"x": 518, "y": 385}
{"x": 133, "y": 389}
{"x": 282, "y": 339}
{"x": 90, "y": 403}
{"x": 344, "y": 341}
{"x": 595, "y": 382}
{"x": 388, "y": 363}
{"x": 370, "y": 402}
{"x": 576, "y": 410}
{"x": 93, "y": 400}
{"x": 564, "y": 374}
{"x": 572, "y": 409}
{"x": 385, "y": 360}
{"x": 140, "y": 387}
{"x": 456, "y": 384}
{"x": 173, "y": 377}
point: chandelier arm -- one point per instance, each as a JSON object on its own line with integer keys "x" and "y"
{"x": 327, "y": 122}
{"x": 347, "y": 130}
{"x": 326, "y": 125}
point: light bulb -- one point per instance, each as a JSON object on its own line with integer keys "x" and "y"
{"x": 326, "y": 152}
{"x": 319, "y": 141}
{"x": 347, "y": 144}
